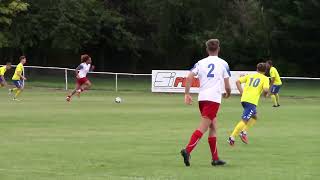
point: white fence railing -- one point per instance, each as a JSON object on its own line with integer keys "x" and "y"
{"x": 66, "y": 70}
{"x": 116, "y": 79}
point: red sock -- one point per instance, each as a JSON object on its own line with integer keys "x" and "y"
{"x": 196, "y": 136}
{"x": 213, "y": 147}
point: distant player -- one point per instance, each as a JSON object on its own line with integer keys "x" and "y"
{"x": 214, "y": 74}
{"x": 3, "y": 70}
{"x": 275, "y": 84}
{"x": 83, "y": 83}
{"x": 18, "y": 78}
{"x": 255, "y": 84}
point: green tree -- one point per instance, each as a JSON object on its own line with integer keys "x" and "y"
{"x": 8, "y": 10}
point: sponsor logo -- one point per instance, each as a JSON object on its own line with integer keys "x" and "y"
{"x": 171, "y": 80}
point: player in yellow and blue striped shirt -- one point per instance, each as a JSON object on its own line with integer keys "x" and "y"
{"x": 255, "y": 84}
{"x": 3, "y": 70}
{"x": 18, "y": 78}
{"x": 275, "y": 83}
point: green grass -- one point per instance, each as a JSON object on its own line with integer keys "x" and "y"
{"x": 92, "y": 138}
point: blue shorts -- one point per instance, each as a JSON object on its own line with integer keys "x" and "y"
{"x": 0, "y": 80}
{"x": 275, "y": 89}
{"x": 18, "y": 83}
{"x": 249, "y": 110}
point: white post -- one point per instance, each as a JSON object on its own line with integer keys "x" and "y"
{"x": 66, "y": 78}
{"x": 24, "y": 75}
{"x": 116, "y": 82}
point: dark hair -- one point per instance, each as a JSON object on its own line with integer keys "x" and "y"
{"x": 213, "y": 45}
{"x": 8, "y": 63}
{"x": 22, "y": 57}
{"x": 269, "y": 62}
{"x": 85, "y": 58}
{"x": 262, "y": 67}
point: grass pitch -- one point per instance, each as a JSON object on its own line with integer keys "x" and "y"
{"x": 92, "y": 138}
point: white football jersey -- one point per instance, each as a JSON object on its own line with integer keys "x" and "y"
{"x": 211, "y": 72}
{"x": 84, "y": 69}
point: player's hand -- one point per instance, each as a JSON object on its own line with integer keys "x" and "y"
{"x": 78, "y": 77}
{"x": 188, "y": 99}
{"x": 24, "y": 78}
{"x": 92, "y": 67}
{"x": 226, "y": 95}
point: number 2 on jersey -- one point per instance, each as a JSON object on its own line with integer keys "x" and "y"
{"x": 211, "y": 67}
{"x": 256, "y": 82}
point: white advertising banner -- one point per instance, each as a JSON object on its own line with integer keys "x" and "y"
{"x": 174, "y": 81}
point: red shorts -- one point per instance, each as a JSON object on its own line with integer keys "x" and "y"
{"x": 209, "y": 109}
{"x": 81, "y": 81}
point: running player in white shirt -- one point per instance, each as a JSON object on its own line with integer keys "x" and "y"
{"x": 214, "y": 74}
{"x": 83, "y": 82}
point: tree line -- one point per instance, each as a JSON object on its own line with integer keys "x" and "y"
{"x": 141, "y": 35}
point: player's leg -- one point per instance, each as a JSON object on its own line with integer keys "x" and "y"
{"x": 18, "y": 90}
{"x": 73, "y": 92}
{"x": 208, "y": 112}
{"x": 278, "y": 99}
{"x": 1, "y": 83}
{"x": 247, "y": 113}
{"x": 278, "y": 96}
{"x": 244, "y": 133}
{"x": 84, "y": 87}
{"x": 197, "y": 134}
{"x": 274, "y": 95}
{"x": 212, "y": 140}
{"x": 194, "y": 139}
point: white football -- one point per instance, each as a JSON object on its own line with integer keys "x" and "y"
{"x": 118, "y": 100}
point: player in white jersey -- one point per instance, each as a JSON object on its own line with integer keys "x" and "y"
{"x": 83, "y": 83}
{"x": 213, "y": 73}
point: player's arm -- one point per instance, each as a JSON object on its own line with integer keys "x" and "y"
{"x": 187, "y": 96}
{"x": 266, "y": 87}
{"x": 241, "y": 80}
{"x": 92, "y": 68}
{"x": 272, "y": 79}
{"x": 19, "y": 73}
{"x": 226, "y": 76}
{"x": 77, "y": 70}
{"x": 239, "y": 87}
{"x": 227, "y": 87}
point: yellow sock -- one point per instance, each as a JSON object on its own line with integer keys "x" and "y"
{"x": 274, "y": 100}
{"x": 250, "y": 123}
{"x": 278, "y": 98}
{"x": 17, "y": 93}
{"x": 238, "y": 128}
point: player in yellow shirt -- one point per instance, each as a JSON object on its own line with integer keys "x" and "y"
{"x": 275, "y": 84}
{"x": 3, "y": 70}
{"x": 255, "y": 84}
{"x": 18, "y": 78}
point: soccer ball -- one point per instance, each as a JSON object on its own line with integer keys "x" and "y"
{"x": 118, "y": 100}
